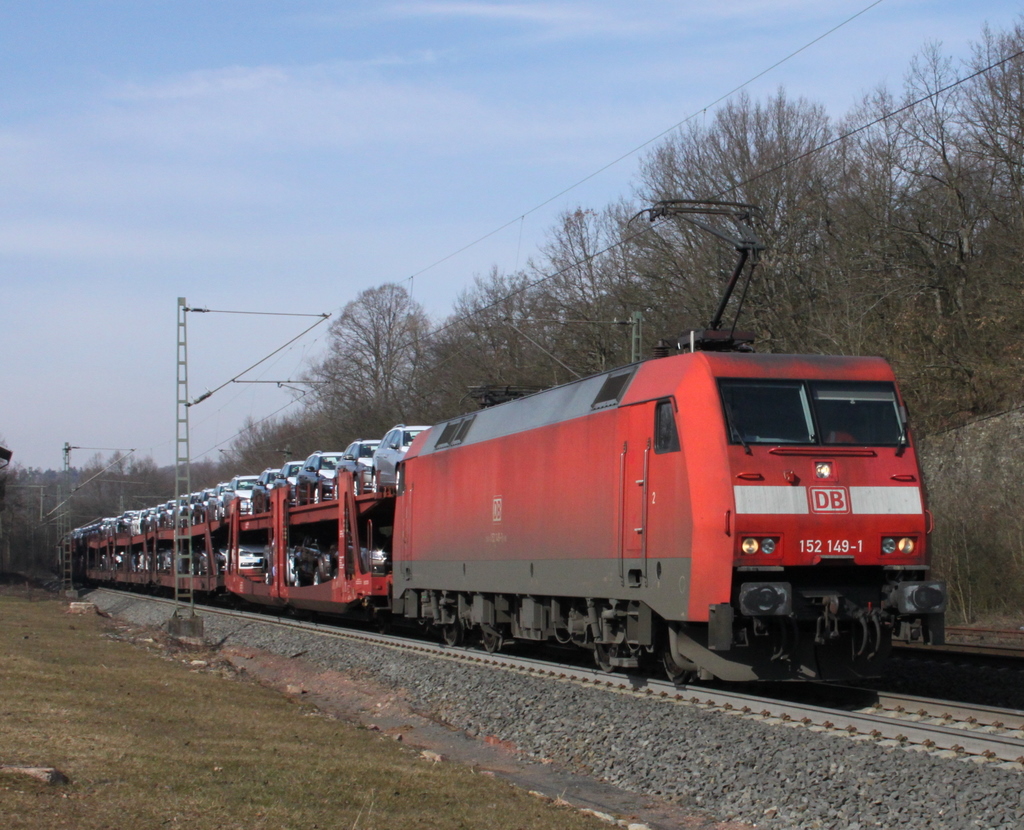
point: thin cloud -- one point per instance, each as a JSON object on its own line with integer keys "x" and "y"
{"x": 614, "y": 18}
{"x": 549, "y": 20}
{"x": 272, "y": 108}
{"x": 267, "y": 111}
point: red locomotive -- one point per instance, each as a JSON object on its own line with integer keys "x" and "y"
{"x": 743, "y": 516}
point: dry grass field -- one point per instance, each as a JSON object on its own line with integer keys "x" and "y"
{"x": 149, "y": 742}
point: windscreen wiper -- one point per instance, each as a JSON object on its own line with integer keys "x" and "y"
{"x": 737, "y": 433}
{"x": 902, "y": 442}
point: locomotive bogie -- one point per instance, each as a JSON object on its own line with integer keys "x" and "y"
{"x": 620, "y": 631}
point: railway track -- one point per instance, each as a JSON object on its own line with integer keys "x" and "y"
{"x": 978, "y": 646}
{"x": 943, "y": 728}
{"x": 1006, "y": 637}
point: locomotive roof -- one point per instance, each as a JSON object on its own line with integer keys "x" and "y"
{"x": 632, "y": 384}
{"x": 806, "y": 366}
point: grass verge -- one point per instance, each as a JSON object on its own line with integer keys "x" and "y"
{"x": 149, "y": 743}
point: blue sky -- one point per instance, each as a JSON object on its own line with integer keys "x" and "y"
{"x": 283, "y": 156}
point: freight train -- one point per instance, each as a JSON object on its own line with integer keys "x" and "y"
{"x": 720, "y": 513}
{"x": 733, "y": 515}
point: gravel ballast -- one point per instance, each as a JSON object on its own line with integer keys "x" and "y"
{"x": 732, "y": 767}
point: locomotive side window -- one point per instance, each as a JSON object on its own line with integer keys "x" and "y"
{"x": 767, "y": 412}
{"x": 865, "y": 414}
{"x": 460, "y": 436}
{"x": 666, "y": 437}
{"x": 612, "y": 389}
{"x": 447, "y": 434}
{"x": 454, "y": 432}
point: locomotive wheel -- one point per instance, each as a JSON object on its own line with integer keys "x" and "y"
{"x": 676, "y": 673}
{"x": 452, "y": 634}
{"x": 491, "y": 641}
{"x": 603, "y": 656}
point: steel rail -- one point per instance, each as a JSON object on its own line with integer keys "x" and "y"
{"x": 970, "y": 715}
{"x": 966, "y": 716}
{"x": 981, "y": 633}
{"x": 894, "y": 729}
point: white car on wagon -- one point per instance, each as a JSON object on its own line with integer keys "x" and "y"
{"x": 390, "y": 452}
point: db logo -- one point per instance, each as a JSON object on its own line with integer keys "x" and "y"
{"x": 829, "y": 499}
{"x": 496, "y": 509}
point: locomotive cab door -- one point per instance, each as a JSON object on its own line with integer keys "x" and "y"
{"x": 634, "y": 475}
{"x": 654, "y": 514}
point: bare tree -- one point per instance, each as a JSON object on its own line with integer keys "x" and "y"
{"x": 762, "y": 154}
{"x": 269, "y": 442}
{"x": 369, "y": 379}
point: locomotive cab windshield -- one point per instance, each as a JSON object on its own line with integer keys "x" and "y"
{"x": 855, "y": 413}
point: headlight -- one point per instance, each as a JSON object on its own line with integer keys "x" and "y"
{"x": 751, "y": 545}
{"x": 906, "y": 545}
{"x": 888, "y": 545}
{"x": 823, "y": 469}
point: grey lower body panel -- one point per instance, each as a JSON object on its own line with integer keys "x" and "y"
{"x": 663, "y": 585}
